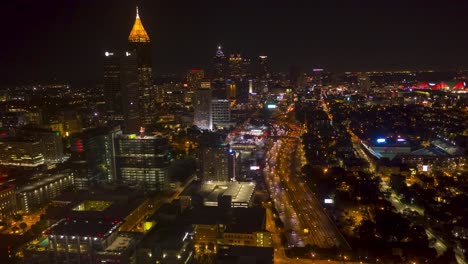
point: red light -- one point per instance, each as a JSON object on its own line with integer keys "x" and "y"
{"x": 79, "y": 146}
{"x": 99, "y": 234}
{"x": 9, "y": 248}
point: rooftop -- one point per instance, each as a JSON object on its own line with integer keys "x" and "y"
{"x": 237, "y": 220}
{"x": 211, "y": 190}
{"x": 83, "y": 228}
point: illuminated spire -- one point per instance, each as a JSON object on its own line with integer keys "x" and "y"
{"x": 219, "y": 52}
{"x": 138, "y": 33}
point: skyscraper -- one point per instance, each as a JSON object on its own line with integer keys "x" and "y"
{"x": 92, "y": 156}
{"x": 202, "y": 109}
{"x": 221, "y": 114}
{"x": 263, "y": 71}
{"x": 219, "y": 65}
{"x": 113, "y": 86}
{"x": 139, "y": 43}
{"x": 130, "y": 93}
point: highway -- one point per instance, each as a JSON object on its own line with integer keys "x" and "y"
{"x": 305, "y": 220}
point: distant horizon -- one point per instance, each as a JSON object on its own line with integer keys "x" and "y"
{"x": 65, "y": 40}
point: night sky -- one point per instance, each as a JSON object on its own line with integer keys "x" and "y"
{"x": 65, "y": 39}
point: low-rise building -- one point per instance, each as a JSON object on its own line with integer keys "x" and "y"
{"x": 8, "y": 206}
{"x": 34, "y": 195}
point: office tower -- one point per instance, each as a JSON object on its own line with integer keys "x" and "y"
{"x": 242, "y": 90}
{"x": 235, "y": 66}
{"x": 113, "y": 86}
{"x": 142, "y": 161}
{"x": 202, "y": 109}
{"x": 218, "y": 163}
{"x": 139, "y": 43}
{"x": 214, "y": 163}
{"x": 7, "y": 202}
{"x": 21, "y": 152}
{"x": 263, "y": 71}
{"x": 51, "y": 142}
{"x": 131, "y": 95}
{"x": 231, "y": 89}
{"x": 219, "y": 64}
{"x": 194, "y": 79}
{"x": 92, "y": 157}
{"x": 221, "y": 113}
{"x": 294, "y": 73}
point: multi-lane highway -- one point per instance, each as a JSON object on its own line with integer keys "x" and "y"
{"x": 305, "y": 220}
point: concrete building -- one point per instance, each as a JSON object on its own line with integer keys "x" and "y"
{"x": 216, "y": 227}
{"x": 35, "y": 194}
{"x": 51, "y": 142}
{"x": 83, "y": 241}
{"x": 212, "y": 193}
{"x": 142, "y": 161}
{"x": 21, "y": 152}
{"x": 221, "y": 113}
{"x": 202, "y": 109}
{"x": 8, "y": 206}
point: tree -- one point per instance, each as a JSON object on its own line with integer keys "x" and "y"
{"x": 18, "y": 217}
{"x": 23, "y": 225}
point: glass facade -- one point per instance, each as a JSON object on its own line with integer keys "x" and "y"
{"x": 142, "y": 161}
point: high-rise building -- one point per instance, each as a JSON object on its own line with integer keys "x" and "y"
{"x": 93, "y": 157}
{"x": 263, "y": 71}
{"x": 139, "y": 42}
{"x": 235, "y": 66}
{"x": 142, "y": 161}
{"x": 221, "y": 113}
{"x": 113, "y": 86}
{"x": 195, "y": 78}
{"x": 217, "y": 163}
{"x": 219, "y": 64}
{"x": 131, "y": 94}
{"x": 202, "y": 109}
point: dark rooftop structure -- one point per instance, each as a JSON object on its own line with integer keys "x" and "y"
{"x": 237, "y": 220}
{"x": 83, "y": 228}
{"x": 245, "y": 255}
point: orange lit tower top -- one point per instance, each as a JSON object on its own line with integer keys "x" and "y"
{"x": 138, "y": 33}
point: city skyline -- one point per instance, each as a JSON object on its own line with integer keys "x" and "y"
{"x": 65, "y": 41}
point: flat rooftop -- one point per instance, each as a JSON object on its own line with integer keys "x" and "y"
{"x": 239, "y": 191}
{"x": 121, "y": 243}
{"x": 82, "y": 228}
{"x": 91, "y": 205}
{"x": 237, "y": 220}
